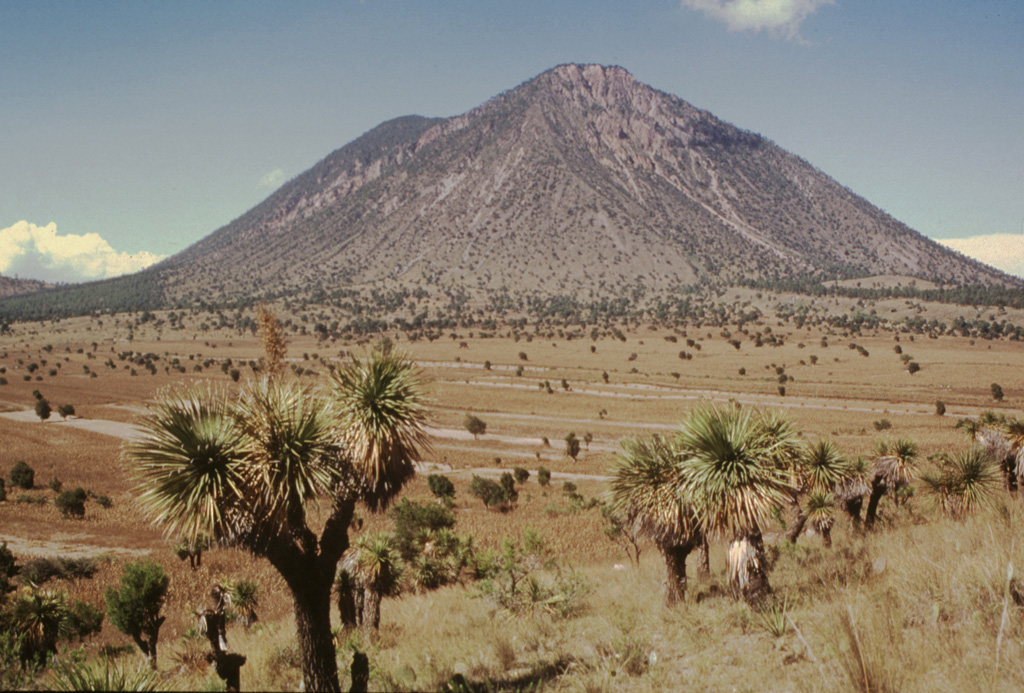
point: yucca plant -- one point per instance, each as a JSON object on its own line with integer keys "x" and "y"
{"x": 375, "y": 562}
{"x": 894, "y": 465}
{"x": 247, "y": 472}
{"x": 964, "y": 482}
{"x": 647, "y": 497}
{"x": 730, "y": 472}
{"x": 39, "y": 616}
{"x": 245, "y": 598}
{"x": 850, "y": 493}
{"x": 819, "y": 471}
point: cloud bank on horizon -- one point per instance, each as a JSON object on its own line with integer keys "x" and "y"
{"x": 779, "y": 17}
{"x": 1004, "y": 251}
{"x": 38, "y": 252}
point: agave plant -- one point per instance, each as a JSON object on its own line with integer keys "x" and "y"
{"x": 104, "y": 675}
{"x": 729, "y": 464}
{"x": 964, "y": 481}
{"x": 647, "y": 497}
{"x": 894, "y": 466}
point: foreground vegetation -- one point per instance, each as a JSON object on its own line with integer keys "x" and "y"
{"x": 884, "y": 530}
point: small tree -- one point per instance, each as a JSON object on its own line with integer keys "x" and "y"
{"x": 543, "y": 476}
{"x": 71, "y": 503}
{"x": 913, "y": 367}
{"x": 997, "y": 392}
{"x": 588, "y": 438}
{"x": 135, "y": 606}
{"x": 66, "y": 410}
{"x": 940, "y": 408}
{"x": 521, "y": 475}
{"x": 441, "y": 486}
{"x": 474, "y": 425}
{"x": 43, "y": 409}
{"x": 192, "y": 549}
{"x": 572, "y": 446}
{"x": 22, "y": 476}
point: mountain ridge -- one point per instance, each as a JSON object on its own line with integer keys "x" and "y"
{"x": 581, "y": 180}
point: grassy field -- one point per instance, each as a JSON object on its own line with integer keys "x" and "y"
{"x": 927, "y": 597}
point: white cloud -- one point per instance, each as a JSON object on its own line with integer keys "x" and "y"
{"x": 272, "y": 179}
{"x": 37, "y": 252}
{"x": 1003, "y": 251}
{"x": 781, "y": 17}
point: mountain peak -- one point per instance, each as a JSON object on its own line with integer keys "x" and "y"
{"x": 582, "y": 181}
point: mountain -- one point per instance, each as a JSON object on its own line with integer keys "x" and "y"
{"x": 581, "y": 180}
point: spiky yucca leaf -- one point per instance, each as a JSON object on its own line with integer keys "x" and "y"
{"x": 646, "y": 491}
{"x": 728, "y": 469}
{"x": 189, "y": 462}
{"x": 381, "y": 414}
{"x": 973, "y": 479}
{"x": 820, "y": 509}
{"x": 105, "y": 675}
{"x": 289, "y": 442}
{"x": 857, "y": 483}
{"x": 377, "y": 563}
{"x": 896, "y": 461}
{"x": 789, "y": 448}
{"x": 824, "y": 467}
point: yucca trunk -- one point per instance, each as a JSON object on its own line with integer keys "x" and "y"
{"x": 371, "y": 610}
{"x": 853, "y": 506}
{"x": 796, "y": 528}
{"x": 313, "y": 628}
{"x": 878, "y": 489}
{"x": 826, "y": 535}
{"x": 748, "y": 567}
{"x": 674, "y": 585}
{"x": 704, "y": 558}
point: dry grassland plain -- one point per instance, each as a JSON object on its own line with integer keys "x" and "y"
{"x": 927, "y": 593}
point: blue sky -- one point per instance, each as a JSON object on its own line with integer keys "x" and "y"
{"x": 129, "y": 130}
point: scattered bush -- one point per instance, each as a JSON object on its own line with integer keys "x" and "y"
{"x": 474, "y": 425}
{"x": 940, "y": 408}
{"x": 71, "y": 503}
{"x": 883, "y": 425}
{"x": 22, "y": 475}
{"x": 521, "y": 475}
{"x": 44, "y": 568}
{"x": 134, "y": 607}
{"x": 66, "y": 410}
{"x": 43, "y": 409}
{"x": 543, "y": 476}
{"x": 997, "y": 392}
{"x": 441, "y": 486}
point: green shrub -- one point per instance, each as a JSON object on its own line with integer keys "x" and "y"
{"x": 22, "y": 475}
{"x": 491, "y": 493}
{"x": 43, "y": 409}
{"x": 134, "y": 607}
{"x": 66, "y": 410}
{"x": 441, "y": 486}
{"x": 415, "y": 520}
{"x": 940, "y": 408}
{"x": 521, "y": 475}
{"x": 104, "y": 501}
{"x": 44, "y": 568}
{"x": 71, "y": 503}
{"x": 55, "y": 485}
{"x": 543, "y": 476}
{"x": 30, "y": 499}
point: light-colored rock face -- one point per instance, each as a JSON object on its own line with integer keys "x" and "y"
{"x": 582, "y": 180}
